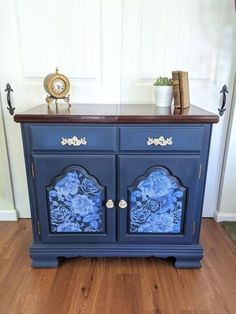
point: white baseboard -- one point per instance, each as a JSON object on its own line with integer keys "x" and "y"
{"x": 224, "y": 217}
{"x": 8, "y": 215}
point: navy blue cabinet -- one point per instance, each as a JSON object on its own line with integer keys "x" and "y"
{"x": 113, "y": 188}
{"x": 160, "y": 192}
{"x": 71, "y": 193}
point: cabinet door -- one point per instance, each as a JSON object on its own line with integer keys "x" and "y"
{"x": 71, "y": 194}
{"x": 160, "y": 192}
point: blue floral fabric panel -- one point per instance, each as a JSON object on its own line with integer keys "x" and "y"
{"x": 75, "y": 204}
{"x": 157, "y": 204}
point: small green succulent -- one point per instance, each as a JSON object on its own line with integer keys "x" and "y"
{"x": 163, "y": 81}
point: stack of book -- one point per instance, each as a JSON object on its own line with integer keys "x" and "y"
{"x": 181, "y": 89}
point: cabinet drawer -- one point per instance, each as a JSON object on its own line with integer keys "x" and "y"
{"x": 161, "y": 138}
{"x": 72, "y": 138}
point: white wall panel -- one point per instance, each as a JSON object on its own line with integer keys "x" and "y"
{"x": 7, "y": 210}
{"x": 60, "y": 33}
{"x": 227, "y": 207}
{"x": 164, "y": 35}
{"x": 177, "y": 34}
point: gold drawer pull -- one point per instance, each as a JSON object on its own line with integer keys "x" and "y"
{"x": 122, "y": 204}
{"x": 110, "y": 204}
{"x": 73, "y": 141}
{"x": 159, "y": 141}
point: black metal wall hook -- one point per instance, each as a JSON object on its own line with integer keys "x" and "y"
{"x": 224, "y": 91}
{"x": 9, "y": 90}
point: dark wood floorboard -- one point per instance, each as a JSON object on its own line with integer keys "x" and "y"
{"x": 116, "y": 285}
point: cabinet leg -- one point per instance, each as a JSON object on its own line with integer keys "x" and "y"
{"x": 50, "y": 262}
{"x": 188, "y": 262}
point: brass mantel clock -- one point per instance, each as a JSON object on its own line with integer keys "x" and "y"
{"x": 57, "y": 86}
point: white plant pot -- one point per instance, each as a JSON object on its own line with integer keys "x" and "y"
{"x": 163, "y": 95}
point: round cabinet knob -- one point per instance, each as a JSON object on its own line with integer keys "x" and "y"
{"x": 110, "y": 204}
{"x": 122, "y": 204}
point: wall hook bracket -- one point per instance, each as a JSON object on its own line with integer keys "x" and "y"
{"x": 223, "y": 91}
{"x": 9, "y": 108}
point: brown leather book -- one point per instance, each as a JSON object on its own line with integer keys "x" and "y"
{"x": 176, "y": 89}
{"x": 184, "y": 89}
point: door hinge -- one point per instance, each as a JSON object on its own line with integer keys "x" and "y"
{"x": 200, "y": 171}
{"x": 32, "y": 169}
{"x": 194, "y": 227}
{"x": 38, "y": 228}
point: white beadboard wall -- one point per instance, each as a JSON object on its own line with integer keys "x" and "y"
{"x": 66, "y": 33}
{"x": 80, "y": 37}
{"x": 158, "y": 36}
{"x": 162, "y": 35}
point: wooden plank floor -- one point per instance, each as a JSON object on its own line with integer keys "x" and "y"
{"x": 124, "y": 286}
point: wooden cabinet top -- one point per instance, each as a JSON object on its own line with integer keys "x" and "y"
{"x": 99, "y": 113}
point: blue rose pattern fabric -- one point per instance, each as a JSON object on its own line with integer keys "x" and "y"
{"x": 75, "y": 204}
{"x": 157, "y": 204}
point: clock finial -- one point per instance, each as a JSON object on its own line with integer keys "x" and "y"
{"x": 56, "y": 70}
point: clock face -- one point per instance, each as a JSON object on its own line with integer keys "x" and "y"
{"x": 58, "y": 86}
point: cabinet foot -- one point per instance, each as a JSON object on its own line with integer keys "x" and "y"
{"x": 187, "y": 262}
{"x": 51, "y": 262}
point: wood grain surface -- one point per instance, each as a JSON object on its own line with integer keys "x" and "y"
{"x": 98, "y": 113}
{"x": 116, "y": 285}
